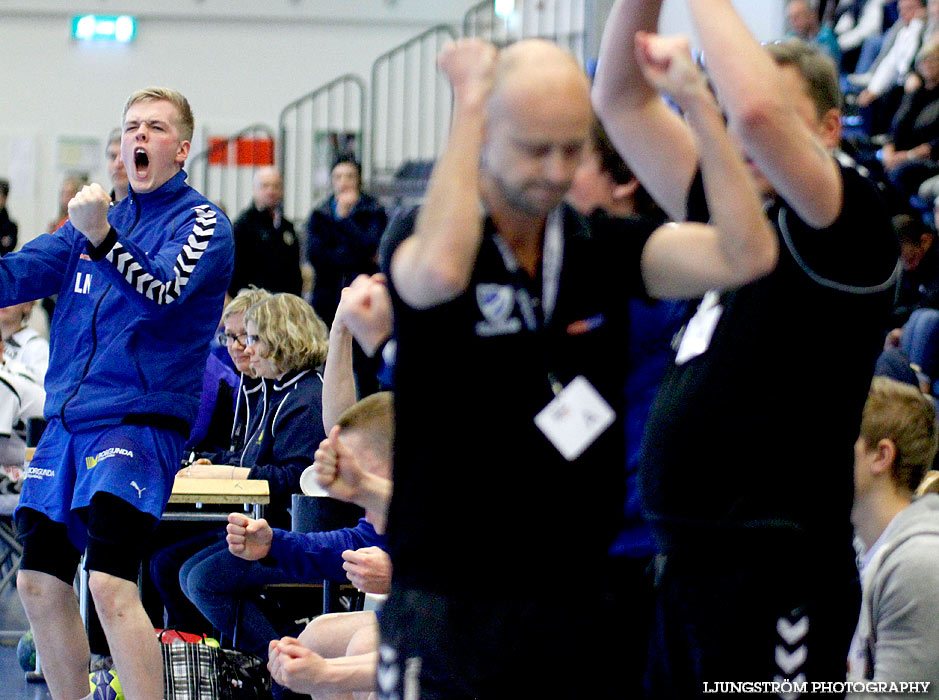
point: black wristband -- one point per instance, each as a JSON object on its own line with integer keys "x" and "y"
{"x": 97, "y": 253}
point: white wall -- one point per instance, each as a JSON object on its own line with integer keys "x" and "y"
{"x": 237, "y": 61}
{"x": 765, "y": 18}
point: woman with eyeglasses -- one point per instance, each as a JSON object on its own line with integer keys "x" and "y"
{"x": 283, "y": 343}
{"x": 212, "y": 446}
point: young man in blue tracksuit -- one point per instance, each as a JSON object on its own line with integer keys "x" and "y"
{"x": 140, "y": 290}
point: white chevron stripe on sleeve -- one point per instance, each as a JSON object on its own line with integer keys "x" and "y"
{"x": 186, "y": 261}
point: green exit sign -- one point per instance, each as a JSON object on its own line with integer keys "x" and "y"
{"x": 120, "y": 29}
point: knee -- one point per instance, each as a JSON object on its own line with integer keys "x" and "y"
{"x": 317, "y": 634}
{"x": 35, "y": 587}
{"x": 364, "y": 641}
{"x": 197, "y": 581}
{"x": 111, "y": 594}
{"x": 184, "y": 574}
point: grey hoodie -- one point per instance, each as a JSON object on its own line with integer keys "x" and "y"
{"x": 899, "y": 622}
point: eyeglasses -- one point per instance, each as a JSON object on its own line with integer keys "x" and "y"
{"x": 252, "y": 340}
{"x": 228, "y": 339}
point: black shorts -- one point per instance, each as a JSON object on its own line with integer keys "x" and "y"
{"x": 762, "y": 617}
{"x": 118, "y": 535}
{"x": 466, "y": 646}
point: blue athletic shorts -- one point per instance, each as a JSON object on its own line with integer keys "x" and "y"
{"x": 136, "y": 463}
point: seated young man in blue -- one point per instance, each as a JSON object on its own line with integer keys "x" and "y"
{"x": 336, "y": 655}
{"x": 140, "y": 289}
{"x": 258, "y": 554}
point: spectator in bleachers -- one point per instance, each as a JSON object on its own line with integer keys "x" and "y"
{"x": 21, "y": 398}
{"x": 919, "y": 277}
{"x": 285, "y": 343}
{"x": 931, "y": 32}
{"x": 897, "y": 636}
{"x": 71, "y": 184}
{"x": 883, "y": 86}
{"x": 8, "y": 227}
{"x": 115, "y": 165}
{"x": 909, "y": 157}
{"x": 22, "y": 343}
{"x": 343, "y": 235}
{"x": 721, "y": 538}
{"x": 267, "y": 253}
{"x": 854, "y": 22}
{"x": 804, "y": 24}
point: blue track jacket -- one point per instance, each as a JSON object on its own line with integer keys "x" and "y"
{"x": 312, "y": 556}
{"x": 134, "y": 316}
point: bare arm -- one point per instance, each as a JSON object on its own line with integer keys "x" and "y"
{"x": 434, "y": 264}
{"x": 738, "y": 245}
{"x": 338, "y": 379}
{"x": 203, "y": 469}
{"x": 296, "y": 667}
{"x": 760, "y": 110}
{"x": 652, "y": 139}
{"x": 364, "y": 314}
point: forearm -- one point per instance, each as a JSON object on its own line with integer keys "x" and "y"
{"x": 649, "y": 136}
{"x": 374, "y": 496}
{"x": 755, "y": 94}
{"x": 215, "y": 471}
{"x": 349, "y": 673}
{"x": 744, "y": 75}
{"x": 683, "y": 261}
{"x": 434, "y": 265}
{"x": 338, "y": 378}
{"x": 619, "y": 83}
{"x": 746, "y": 240}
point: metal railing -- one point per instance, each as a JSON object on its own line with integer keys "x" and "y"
{"x": 410, "y": 114}
{"x": 314, "y": 129}
{"x": 217, "y": 171}
{"x": 561, "y": 21}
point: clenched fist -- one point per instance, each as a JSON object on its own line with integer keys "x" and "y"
{"x": 88, "y": 212}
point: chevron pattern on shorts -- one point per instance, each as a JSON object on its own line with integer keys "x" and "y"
{"x": 167, "y": 292}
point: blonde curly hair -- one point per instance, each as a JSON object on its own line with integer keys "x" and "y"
{"x": 296, "y": 338}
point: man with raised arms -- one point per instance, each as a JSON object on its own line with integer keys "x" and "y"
{"x": 746, "y": 480}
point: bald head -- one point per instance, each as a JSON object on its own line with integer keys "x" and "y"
{"x": 538, "y": 119}
{"x": 535, "y": 67}
{"x": 268, "y": 188}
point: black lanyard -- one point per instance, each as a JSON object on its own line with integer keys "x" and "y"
{"x": 552, "y": 258}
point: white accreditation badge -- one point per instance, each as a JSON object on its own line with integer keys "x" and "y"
{"x": 700, "y": 329}
{"x": 575, "y": 418}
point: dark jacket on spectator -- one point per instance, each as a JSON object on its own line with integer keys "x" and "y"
{"x": 341, "y": 249}
{"x": 8, "y": 231}
{"x": 917, "y": 121}
{"x": 918, "y": 288}
{"x": 267, "y": 253}
{"x": 283, "y": 436}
